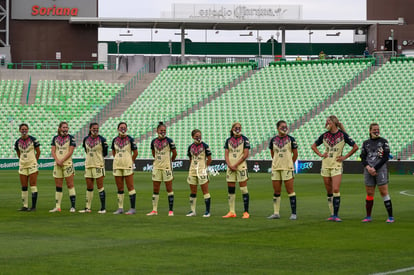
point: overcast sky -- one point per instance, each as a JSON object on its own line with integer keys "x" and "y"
{"x": 311, "y": 10}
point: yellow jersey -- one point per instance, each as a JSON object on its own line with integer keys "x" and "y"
{"x": 63, "y": 144}
{"x": 198, "y": 154}
{"x": 123, "y": 147}
{"x": 236, "y": 146}
{"x": 334, "y": 145}
{"x": 162, "y": 149}
{"x": 26, "y": 147}
{"x": 96, "y": 149}
{"x": 282, "y": 152}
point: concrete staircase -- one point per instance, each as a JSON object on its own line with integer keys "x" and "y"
{"x": 121, "y": 102}
{"x": 200, "y": 104}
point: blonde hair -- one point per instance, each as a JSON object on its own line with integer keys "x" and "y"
{"x": 338, "y": 124}
{"x": 232, "y": 126}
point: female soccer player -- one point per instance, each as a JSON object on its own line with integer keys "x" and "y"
{"x": 374, "y": 156}
{"x": 332, "y": 160}
{"x": 96, "y": 148}
{"x": 63, "y": 145}
{"x": 28, "y": 152}
{"x": 164, "y": 152}
{"x": 124, "y": 151}
{"x": 200, "y": 158}
{"x": 284, "y": 152}
{"x": 236, "y": 152}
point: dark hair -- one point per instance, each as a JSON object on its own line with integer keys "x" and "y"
{"x": 60, "y": 126}
{"x": 280, "y": 122}
{"x": 119, "y": 124}
{"x": 372, "y": 125}
{"x": 91, "y": 125}
{"x": 232, "y": 126}
{"x": 22, "y": 125}
{"x": 195, "y": 131}
{"x": 161, "y": 124}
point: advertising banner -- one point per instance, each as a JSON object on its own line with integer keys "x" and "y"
{"x": 236, "y": 12}
{"x": 219, "y": 166}
{"x": 53, "y": 9}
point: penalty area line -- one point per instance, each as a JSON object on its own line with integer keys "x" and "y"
{"x": 395, "y": 271}
{"x": 405, "y": 193}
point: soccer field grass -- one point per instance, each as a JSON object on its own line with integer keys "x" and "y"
{"x": 74, "y": 243}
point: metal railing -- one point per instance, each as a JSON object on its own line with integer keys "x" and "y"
{"x": 53, "y": 64}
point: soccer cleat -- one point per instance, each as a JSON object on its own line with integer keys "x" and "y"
{"x": 33, "y": 209}
{"x": 119, "y": 211}
{"x": 23, "y": 209}
{"x": 337, "y": 219}
{"x": 130, "y": 211}
{"x": 293, "y": 217}
{"x": 170, "y": 213}
{"x": 55, "y": 210}
{"x": 390, "y": 220}
{"x": 230, "y": 215}
{"x": 86, "y": 210}
{"x": 152, "y": 213}
{"x": 246, "y": 215}
{"x": 206, "y": 215}
{"x": 102, "y": 211}
{"x": 191, "y": 214}
{"x": 72, "y": 210}
{"x": 274, "y": 216}
{"x": 367, "y": 219}
{"x": 331, "y": 218}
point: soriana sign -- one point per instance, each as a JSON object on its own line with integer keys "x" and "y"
{"x": 53, "y": 9}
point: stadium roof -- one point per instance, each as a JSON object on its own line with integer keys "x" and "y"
{"x": 169, "y": 23}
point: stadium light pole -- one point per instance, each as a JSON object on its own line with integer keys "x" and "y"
{"x": 117, "y": 53}
{"x": 310, "y": 43}
{"x": 273, "y": 45}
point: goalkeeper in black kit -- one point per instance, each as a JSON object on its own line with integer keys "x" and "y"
{"x": 374, "y": 156}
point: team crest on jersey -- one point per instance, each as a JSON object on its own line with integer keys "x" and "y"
{"x": 281, "y": 141}
{"x": 121, "y": 142}
{"x": 333, "y": 139}
{"x": 92, "y": 142}
{"x": 160, "y": 144}
{"x": 196, "y": 149}
{"x": 25, "y": 143}
{"x": 62, "y": 140}
{"x": 235, "y": 142}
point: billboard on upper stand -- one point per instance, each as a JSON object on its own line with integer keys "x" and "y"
{"x": 236, "y": 12}
{"x": 53, "y": 9}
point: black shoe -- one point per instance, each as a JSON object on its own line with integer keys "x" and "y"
{"x": 33, "y": 209}
{"x": 23, "y": 209}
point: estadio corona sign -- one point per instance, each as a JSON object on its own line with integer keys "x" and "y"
{"x": 236, "y": 12}
{"x": 52, "y": 9}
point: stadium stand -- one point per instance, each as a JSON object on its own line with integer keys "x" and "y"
{"x": 385, "y": 97}
{"x": 176, "y": 90}
{"x": 73, "y": 101}
{"x": 279, "y": 91}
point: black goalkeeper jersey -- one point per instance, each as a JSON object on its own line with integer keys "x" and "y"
{"x": 375, "y": 152}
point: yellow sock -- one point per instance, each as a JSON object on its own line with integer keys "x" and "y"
{"x": 72, "y": 192}
{"x": 276, "y": 204}
{"x": 155, "y": 198}
{"x": 25, "y": 198}
{"x": 232, "y": 203}
{"x": 330, "y": 205}
{"x": 121, "y": 200}
{"x": 58, "y": 197}
{"x": 89, "y": 197}
{"x": 33, "y": 189}
{"x": 193, "y": 203}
